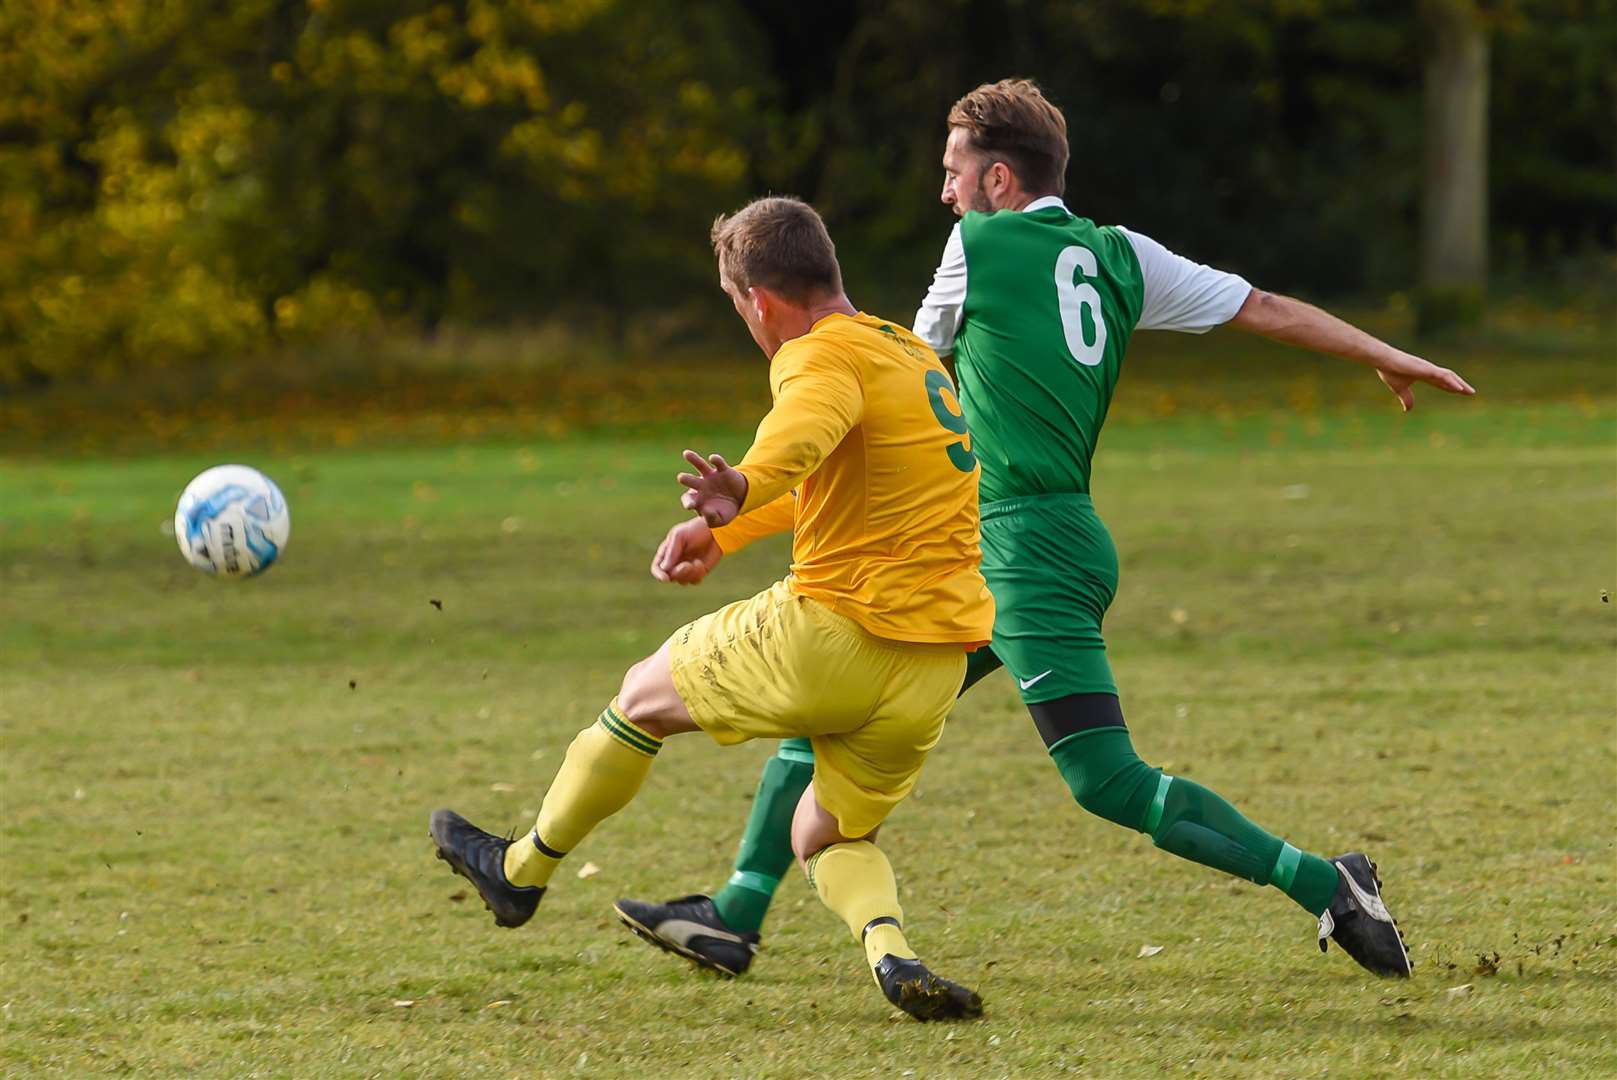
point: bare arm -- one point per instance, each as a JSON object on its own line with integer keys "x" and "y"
{"x": 1281, "y": 318}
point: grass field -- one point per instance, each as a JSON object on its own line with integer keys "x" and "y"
{"x": 1365, "y": 629}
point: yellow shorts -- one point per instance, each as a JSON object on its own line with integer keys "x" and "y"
{"x": 782, "y": 666}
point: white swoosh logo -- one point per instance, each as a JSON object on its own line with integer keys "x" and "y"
{"x": 1025, "y": 683}
{"x": 680, "y": 931}
{"x": 1372, "y": 904}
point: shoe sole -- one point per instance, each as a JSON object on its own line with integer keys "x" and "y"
{"x": 929, "y": 1003}
{"x": 646, "y": 934}
{"x": 458, "y": 865}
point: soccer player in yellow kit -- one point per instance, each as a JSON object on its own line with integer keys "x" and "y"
{"x": 865, "y": 457}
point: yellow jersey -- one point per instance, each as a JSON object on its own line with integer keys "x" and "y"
{"x": 866, "y": 457}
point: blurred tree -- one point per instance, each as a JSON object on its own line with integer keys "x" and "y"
{"x": 1279, "y": 138}
{"x": 1242, "y": 132}
{"x": 1553, "y": 169}
{"x": 98, "y": 261}
{"x": 186, "y": 177}
{"x": 183, "y": 178}
{"x": 1454, "y": 192}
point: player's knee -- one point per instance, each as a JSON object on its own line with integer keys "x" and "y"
{"x": 802, "y": 855}
{"x": 1116, "y": 787}
{"x": 806, "y": 844}
{"x": 648, "y": 699}
{"x": 1091, "y": 747}
{"x": 1098, "y": 801}
{"x": 814, "y": 828}
{"x": 810, "y": 834}
{"x": 634, "y": 698}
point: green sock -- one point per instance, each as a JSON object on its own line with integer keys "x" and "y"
{"x": 766, "y": 846}
{"x": 1109, "y": 779}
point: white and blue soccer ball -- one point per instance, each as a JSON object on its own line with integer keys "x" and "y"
{"x": 232, "y": 521}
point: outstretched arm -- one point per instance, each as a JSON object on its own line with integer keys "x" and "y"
{"x": 1192, "y": 298}
{"x": 1281, "y": 318}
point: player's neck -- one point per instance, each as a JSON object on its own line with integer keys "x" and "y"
{"x": 1019, "y": 200}
{"x": 795, "y": 322}
{"x": 836, "y": 305}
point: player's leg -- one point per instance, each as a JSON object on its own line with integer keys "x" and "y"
{"x": 854, "y": 879}
{"x": 707, "y": 928}
{"x": 604, "y": 768}
{"x": 1087, "y": 740}
{"x": 859, "y": 777}
{"x": 608, "y": 761}
{"x": 1089, "y": 744}
{"x": 765, "y": 852}
{"x": 1053, "y": 570}
{"x": 783, "y": 666}
{"x": 766, "y": 844}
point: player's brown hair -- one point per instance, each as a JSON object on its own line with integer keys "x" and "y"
{"x": 1012, "y": 121}
{"x": 780, "y": 243}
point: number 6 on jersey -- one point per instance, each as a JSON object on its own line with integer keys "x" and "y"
{"x": 1078, "y": 300}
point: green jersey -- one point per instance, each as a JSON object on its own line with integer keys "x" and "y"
{"x": 1038, "y": 307}
{"x": 1041, "y": 345}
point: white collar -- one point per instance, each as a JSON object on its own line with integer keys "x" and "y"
{"x": 1044, "y": 202}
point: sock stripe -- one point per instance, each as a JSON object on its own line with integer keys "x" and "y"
{"x": 635, "y": 729}
{"x": 1285, "y": 871}
{"x": 544, "y": 848}
{"x": 754, "y": 881}
{"x": 810, "y": 864}
{"x": 629, "y": 735}
{"x": 1153, "y": 816}
{"x": 884, "y": 920}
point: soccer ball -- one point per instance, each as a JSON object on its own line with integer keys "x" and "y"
{"x": 232, "y": 521}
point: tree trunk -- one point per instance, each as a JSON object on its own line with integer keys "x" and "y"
{"x": 1454, "y": 204}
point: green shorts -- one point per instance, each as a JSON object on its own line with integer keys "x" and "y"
{"x": 1052, "y": 568}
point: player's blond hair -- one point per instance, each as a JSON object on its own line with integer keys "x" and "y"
{"x": 1012, "y": 121}
{"x": 780, "y": 243}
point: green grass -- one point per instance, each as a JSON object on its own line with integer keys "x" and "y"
{"x": 1365, "y": 629}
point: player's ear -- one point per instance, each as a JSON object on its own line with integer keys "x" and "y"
{"x": 1000, "y": 176}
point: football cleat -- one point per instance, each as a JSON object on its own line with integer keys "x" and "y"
{"x": 925, "y": 996}
{"x": 479, "y": 857}
{"x": 693, "y": 928}
{"x": 1359, "y": 922}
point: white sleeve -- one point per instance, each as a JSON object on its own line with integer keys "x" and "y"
{"x": 939, "y": 318}
{"x": 1184, "y": 295}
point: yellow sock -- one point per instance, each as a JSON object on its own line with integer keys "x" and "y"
{"x": 605, "y": 766}
{"x": 855, "y": 880}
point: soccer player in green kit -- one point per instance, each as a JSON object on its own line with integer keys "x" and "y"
{"x": 1037, "y": 307}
